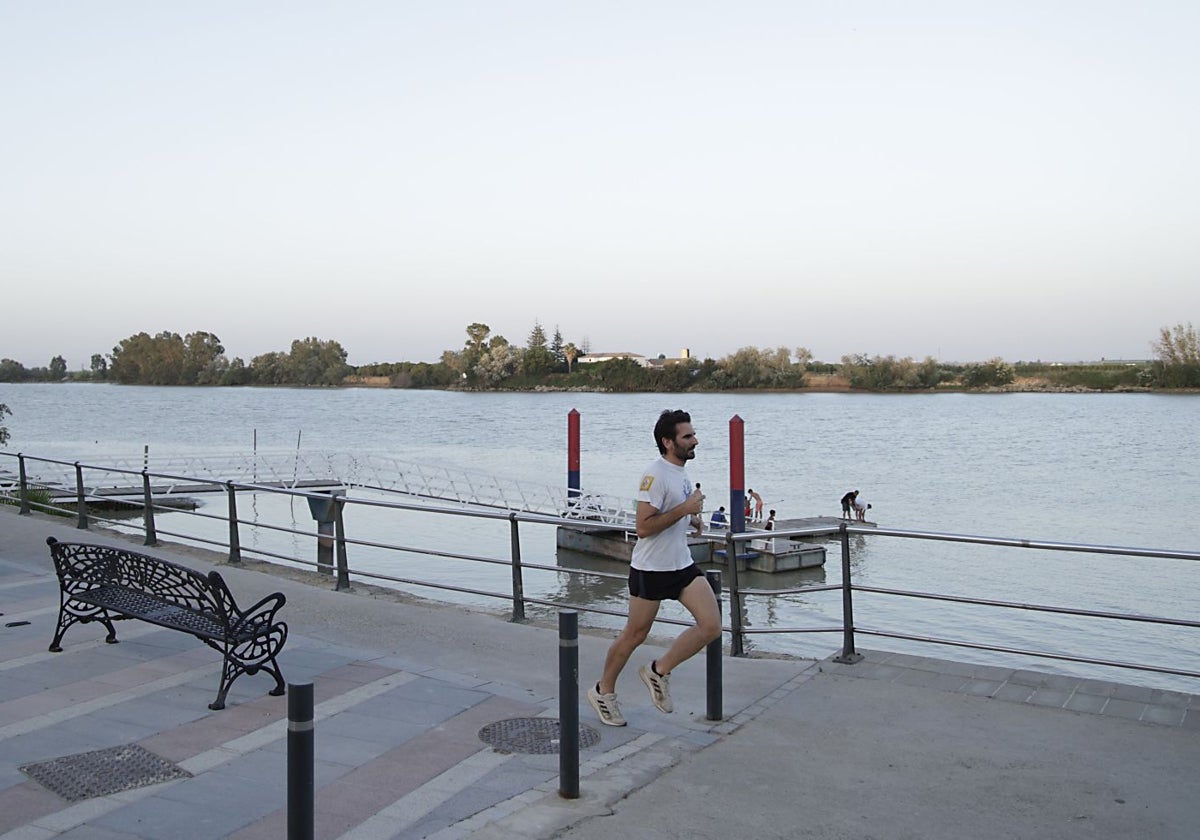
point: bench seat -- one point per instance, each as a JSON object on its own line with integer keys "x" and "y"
{"x": 106, "y": 584}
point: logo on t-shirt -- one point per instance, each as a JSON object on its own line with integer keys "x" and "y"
{"x": 647, "y": 480}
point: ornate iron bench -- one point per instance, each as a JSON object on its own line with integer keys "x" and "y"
{"x": 104, "y": 584}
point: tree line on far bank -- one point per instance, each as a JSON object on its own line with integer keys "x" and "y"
{"x": 490, "y": 362}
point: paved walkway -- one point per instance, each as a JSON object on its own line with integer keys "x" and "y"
{"x": 893, "y": 747}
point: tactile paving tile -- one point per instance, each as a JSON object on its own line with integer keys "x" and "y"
{"x": 538, "y": 736}
{"x": 101, "y": 772}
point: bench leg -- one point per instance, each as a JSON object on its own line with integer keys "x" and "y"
{"x": 273, "y": 669}
{"x": 230, "y": 671}
{"x": 67, "y": 617}
{"x": 251, "y": 657}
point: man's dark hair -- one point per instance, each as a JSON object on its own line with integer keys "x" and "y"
{"x": 668, "y": 421}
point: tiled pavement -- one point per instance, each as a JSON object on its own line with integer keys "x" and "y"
{"x": 399, "y": 709}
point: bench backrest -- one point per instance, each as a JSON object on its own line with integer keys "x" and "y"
{"x": 99, "y": 565}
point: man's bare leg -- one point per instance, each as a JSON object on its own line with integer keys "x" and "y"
{"x": 698, "y": 597}
{"x": 637, "y": 627}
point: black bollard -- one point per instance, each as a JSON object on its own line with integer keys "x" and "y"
{"x": 715, "y": 663}
{"x": 568, "y": 704}
{"x": 300, "y": 739}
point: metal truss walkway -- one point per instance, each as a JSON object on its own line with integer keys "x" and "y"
{"x": 116, "y": 476}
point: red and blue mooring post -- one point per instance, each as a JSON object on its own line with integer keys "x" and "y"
{"x": 573, "y": 453}
{"x": 737, "y": 475}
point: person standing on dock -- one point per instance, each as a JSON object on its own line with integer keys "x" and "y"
{"x": 661, "y": 568}
{"x": 847, "y": 503}
{"x": 758, "y": 505}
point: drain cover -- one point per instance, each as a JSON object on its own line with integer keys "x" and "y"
{"x": 537, "y": 735}
{"x": 101, "y": 772}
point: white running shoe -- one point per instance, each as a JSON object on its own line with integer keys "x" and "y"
{"x": 606, "y": 706}
{"x": 660, "y": 688}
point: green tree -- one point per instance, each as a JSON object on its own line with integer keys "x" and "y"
{"x": 269, "y": 369}
{"x": 1177, "y": 357}
{"x": 477, "y": 336}
{"x": 992, "y": 373}
{"x": 12, "y": 371}
{"x": 751, "y": 367}
{"x": 570, "y": 354}
{"x": 557, "y": 349}
{"x": 58, "y": 368}
{"x": 537, "y": 360}
{"x": 204, "y": 361}
{"x": 99, "y": 367}
{"x": 316, "y": 362}
{"x": 501, "y": 361}
{"x": 1177, "y": 346}
{"x": 236, "y": 373}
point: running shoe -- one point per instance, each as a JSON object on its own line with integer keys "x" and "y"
{"x": 660, "y": 688}
{"x": 606, "y": 706}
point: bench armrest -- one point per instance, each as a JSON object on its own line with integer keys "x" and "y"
{"x": 257, "y": 619}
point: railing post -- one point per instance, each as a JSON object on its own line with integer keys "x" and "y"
{"x": 716, "y": 687}
{"x": 848, "y": 655}
{"x": 568, "y": 704}
{"x": 24, "y": 485}
{"x": 148, "y": 510}
{"x": 300, "y": 738}
{"x": 343, "y": 569}
{"x": 235, "y": 544}
{"x": 737, "y": 639}
{"x": 518, "y": 580}
{"x": 80, "y": 501}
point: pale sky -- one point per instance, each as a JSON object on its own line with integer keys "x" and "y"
{"x": 956, "y": 179}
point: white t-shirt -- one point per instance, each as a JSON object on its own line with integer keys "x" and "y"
{"x": 664, "y": 486}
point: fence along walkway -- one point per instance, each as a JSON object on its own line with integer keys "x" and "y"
{"x": 180, "y": 474}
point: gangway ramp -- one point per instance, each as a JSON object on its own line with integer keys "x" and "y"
{"x": 121, "y": 476}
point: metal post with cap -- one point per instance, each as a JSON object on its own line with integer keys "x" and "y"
{"x": 300, "y": 739}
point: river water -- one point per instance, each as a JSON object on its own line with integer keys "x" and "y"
{"x": 1106, "y": 469}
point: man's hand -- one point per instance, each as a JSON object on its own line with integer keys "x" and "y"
{"x": 694, "y": 504}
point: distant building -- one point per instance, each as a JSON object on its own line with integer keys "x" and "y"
{"x": 594, "y": 358}
{"x": 662, "y": 361}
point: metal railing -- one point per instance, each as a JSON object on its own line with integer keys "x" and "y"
{"x": 20, "y": 488}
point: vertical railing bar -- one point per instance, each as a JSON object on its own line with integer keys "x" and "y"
{"x": 148, "y": 510}
{"x": 518, "y": 581}
{"x": 343, "y": 569}
{"x": 80, "y": 501}
{"x": 848, "y": 655}
{"x": 235, "y": 544}
{"x": 715, "y": 664}
{"x": 24, "y": 485}
{"x": 737, "y": 641}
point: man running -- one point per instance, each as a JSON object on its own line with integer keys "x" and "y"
{"x": 661, "y": 568}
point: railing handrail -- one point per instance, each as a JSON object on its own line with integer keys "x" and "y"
{"x": 841, "y": 532}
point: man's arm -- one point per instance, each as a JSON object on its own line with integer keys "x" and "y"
{"x": 650, "y": 520}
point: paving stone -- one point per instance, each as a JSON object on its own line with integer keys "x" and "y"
{"x": 1053, "y": 697}
{"x": 1089, "y": 703}
{"x": 1124, "y": 708}
{"x": 158, "y": 817}
{"x": 1166, "y": 715}
{"x": 980, "y": 688}
{"x": 1014, "y": 692}
{"x": 1134, "y": 693}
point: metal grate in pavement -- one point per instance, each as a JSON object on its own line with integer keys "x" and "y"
{"x": 101, "y": 772}
{"x": 537, "y": 735}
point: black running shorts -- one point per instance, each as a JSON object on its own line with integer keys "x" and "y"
{"x": 661, "y": 586}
